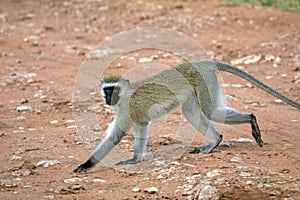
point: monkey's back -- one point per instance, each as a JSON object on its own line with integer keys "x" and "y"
{"x": 166, "y": 90}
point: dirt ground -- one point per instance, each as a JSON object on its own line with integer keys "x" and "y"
{"x": 43, "y": 44}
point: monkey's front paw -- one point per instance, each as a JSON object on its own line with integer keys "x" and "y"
{"x": 79, "y": 169}
{"x": 128, "y": 162}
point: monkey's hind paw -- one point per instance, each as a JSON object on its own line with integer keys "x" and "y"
{"x": 79, "y": 169}
{"x": 205, "y": 149}
{"x": 128, "y": 162}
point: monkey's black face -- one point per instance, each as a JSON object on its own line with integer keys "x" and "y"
{"x": 112, "y": 95}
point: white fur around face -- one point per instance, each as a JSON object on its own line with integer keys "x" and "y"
{"x": 104, "y": 85}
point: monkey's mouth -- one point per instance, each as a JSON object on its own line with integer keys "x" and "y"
{"x": 111, "y": 101}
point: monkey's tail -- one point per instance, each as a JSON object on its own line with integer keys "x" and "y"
{"x": 233, "y": 70}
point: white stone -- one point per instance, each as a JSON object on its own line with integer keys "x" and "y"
{"x": 151, "y": 190}
{"x": 242, "y": 140}
{"x": 136, "y": 189}
{"x": 213, "y": 173}
{"x": 206, "y": 192}
{"x": 54, "y": 122}
{"x": 143, "y": 60}
{"x": 236, "y": 159}
{"x": 47, "y": 163}
{"x": 22, "y": 108}
{"x": 15, "y": 157}
{"x": 70, "y": 180}
{"x": 98, "y": 180}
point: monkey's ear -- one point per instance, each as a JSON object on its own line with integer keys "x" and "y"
{"x": 125, "y": 86}
{"x": 101, "y": 81}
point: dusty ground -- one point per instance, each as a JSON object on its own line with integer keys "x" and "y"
{"x": 42, "y": 45}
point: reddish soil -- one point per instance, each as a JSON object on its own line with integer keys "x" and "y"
{"x": 42, "y": 45}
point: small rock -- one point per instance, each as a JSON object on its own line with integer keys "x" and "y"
{"x": 22, "y": 108}
{"x": 73, "y": 126}
{"x": 247, "y": 60}
{"x": 70, "y": 180}
{"x": 96, "y": 127}
{"x": 136, "y": 189}
{"x": 144, "y": 60}
{"x": 98, "y": 180}
{"x": 2, "y": 134}
{"x": 249, "y": 101}
{"x": 205, "y": 192}
{"x": 71, "y": 49}
{"x": 76, "y": 187}
{"x": 242, "y": 140}
{"x": 274, "y": 193}
{"x": 7, "y": 184}
{"x": 21, "y": 118}
{"x": 27, "y": 17}
{"x": 236, "y": 159}
{"x": 151, "y": 190}
{"x": 249, "y": 182}
{"x": 103, "y": 8}
{"x": 98, "y": 53}
{"x": 213, "y": 173}
{"x": 15, "y": 157}
{"x": 245, "y": 174}
{"x": 49, "y": 197}
{"x": 27, "y": 165}
{"x": 27, "y": 75}
{"x": 54, "y": 122}
{"x": 47, "y": 163}
{"x": 23, "y": 172}
{"x": 54, "y": 190}
{"x": 278, "y": 101}
{"x": 160, "y": 176}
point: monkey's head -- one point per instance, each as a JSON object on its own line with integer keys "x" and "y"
{"x": 112, "y": 88}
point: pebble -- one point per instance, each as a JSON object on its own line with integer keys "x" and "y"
{"x": 278, "y": 101}
{"x": 2, "y": 134}
{"x": 151, "y": 190}
{"x": 47, "y": 163}
{"x": 98, "y": 180}
{"x": 7, "y": 184}
{"x": 236, "y": 159}
{"x": 22, "y": 108}
{"x": 207, "y": 192}
{"x": 28, "y": 165}
{"x": 136, "y": 189}
{"x": 15, "y": 157}
{"x": 247, "y": 60}
{"x": 70, "y": 121}
{"x": 54, "y": 122}
{"x": 73, "y": 126}
{"x": 21, "y": 118}
{"x": 144, "y": 60}
{"x": 249, "y": 182}
{"x": 70, "y": 180}
{"x": 242, "y": 140}
{"x": 245, "y": 174}
{"x": 97, "y": 54}
{"x": 76, "y": 187}
{"x": 213, "y": 173}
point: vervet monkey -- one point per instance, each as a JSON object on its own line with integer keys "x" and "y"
{"x": 193, "y": 86}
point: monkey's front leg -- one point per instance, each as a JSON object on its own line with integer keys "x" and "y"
{"x": 140, "y": 143}
{"x": 113, "y": 137}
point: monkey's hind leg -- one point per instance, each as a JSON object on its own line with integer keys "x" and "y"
{"x": 140, "y": 143}
{"x": 229, "y": 115}
{"x": 196, "y": 117}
